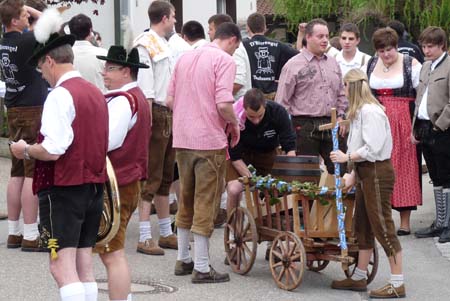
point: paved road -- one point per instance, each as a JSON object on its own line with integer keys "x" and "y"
{"x": 25, "y": 276}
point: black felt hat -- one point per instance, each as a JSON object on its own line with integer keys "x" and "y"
{"x": 54, "y": 41}
{"x": 118, "y": 55}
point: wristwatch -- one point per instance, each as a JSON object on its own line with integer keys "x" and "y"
{"x": 26, "y": 155}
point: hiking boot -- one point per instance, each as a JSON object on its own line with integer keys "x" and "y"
{"x": 388, "y": 291}
{"x": 350, "y": 284}
{"x": 210, "y": 277}
{"x": 182, "y": 268}
{"x": 169, "y": 242}
{"x": 445, "y": 236}
{"x": 221, "y": 218}
{"x": 431, "y": 231}
{"x": 35, "y": 245}
{"x": 149, "y": 247}
{"x": 14, "y": 241}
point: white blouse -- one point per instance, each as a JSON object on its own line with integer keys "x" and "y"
{"x": 396, "y": 81}
{"x": 370, "y": 134}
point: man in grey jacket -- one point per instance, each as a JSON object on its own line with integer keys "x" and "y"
{"x": 431, "y": 126}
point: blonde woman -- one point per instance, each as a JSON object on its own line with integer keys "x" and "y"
{"x": 369, "y": 150}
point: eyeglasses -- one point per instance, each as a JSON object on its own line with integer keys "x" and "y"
{"x": 112, "y": 68}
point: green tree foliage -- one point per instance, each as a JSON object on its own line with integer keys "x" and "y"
{"x": 415, "y": 14}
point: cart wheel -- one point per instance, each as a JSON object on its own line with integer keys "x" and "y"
{"x": 317, "y": 265}
{"x": 287, "y": 260}
{"x": 241, "y": 240}
{"x": 371, "y": 269}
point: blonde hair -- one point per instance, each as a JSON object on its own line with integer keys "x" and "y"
{"x": 359, "y": 92}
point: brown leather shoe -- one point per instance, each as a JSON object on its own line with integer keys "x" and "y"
{"x": 169, "y": 242}
{"x": 211, "y": 277}
{"x": 221, "y": 218}
{"x": 14, "y": 241}
{"x": 33, "y": 245}
{"x": 388, "y": 291}
{"x": 149, "y": 247}
{"x": 350, "y": 284}
{"x": 182, "y": 268}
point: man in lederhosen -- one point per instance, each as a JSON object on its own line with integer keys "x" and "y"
{"x": 129, "y": 134}
{"x": 70, "y": 163}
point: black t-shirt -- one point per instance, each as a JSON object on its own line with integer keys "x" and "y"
{"x": 274, "y": 129}
{"x": 24, "y": 85}
{"x": 412, "y": 50}
{"x": 267, "y": 57}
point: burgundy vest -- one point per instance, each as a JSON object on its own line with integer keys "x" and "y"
{"x": 130, "y": 161}
{"x": 84, "y": 161}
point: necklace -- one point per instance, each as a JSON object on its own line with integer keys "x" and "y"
{"x": 387, "y": 68}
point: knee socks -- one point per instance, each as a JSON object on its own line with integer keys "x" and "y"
{"x": 201, "y": 260}
{"x": 72, "y": 292}
{"x": 164, "y": 227}
{"x": 145, "y": 231}
{"x": 183, "y": 245}
{"x": 90, "y": 291}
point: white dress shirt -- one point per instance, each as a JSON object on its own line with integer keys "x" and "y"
{"x": 154, "y": 81}
{"x": 243, "y": 71}
{"x": 120, "y": 119}
{"x": 57, "y": 117}
{"x": 423, "y": 112}
{"x": 85, "y": 60}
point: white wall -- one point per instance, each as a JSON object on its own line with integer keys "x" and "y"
{"x": 199, "y": 10}
{"x": 243, "y": 9}
{"x": 103, "y": 23}
{"x": 139, "y": 15}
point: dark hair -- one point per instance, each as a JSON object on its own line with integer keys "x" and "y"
{"x": 434, "y": 35}
{"x": 256, "y": 22}
{"x": 398, "y": 27}
{"x": 36, "y": 4}
{"x": 193, "y": 31}
{"x": 134, "y": 73}
{"x": 350, "y": 27}
{"x": 219, "y": 19}
{"x": 227, "y": 30}
{"x": 80, "y": 26}
{"x": 309, "y": 28}
{"x": 10, "y": 9}
{"x": 384, "y": 37}
{"x": 158, "y": 9}
{"x": 254, "y": 99}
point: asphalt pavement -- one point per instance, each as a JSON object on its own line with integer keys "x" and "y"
{"x": 25, "y": 276}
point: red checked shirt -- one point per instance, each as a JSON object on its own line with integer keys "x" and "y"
{"x": 311, "y": 86}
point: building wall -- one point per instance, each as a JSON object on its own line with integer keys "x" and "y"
{"x": 199, "y": 10}
{"x": 103, "y": 23}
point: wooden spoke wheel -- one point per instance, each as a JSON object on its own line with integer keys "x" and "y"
{"x": 241, "y": 240}
{"x": 287, "y": 260}
{"x": 371, "y": 269}
{"x": 317, "y": 265}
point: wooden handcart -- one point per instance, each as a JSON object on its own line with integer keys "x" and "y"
{"x": 297, "y": 242}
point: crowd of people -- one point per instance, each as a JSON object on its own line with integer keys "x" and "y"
{"x": 176, "y": 108}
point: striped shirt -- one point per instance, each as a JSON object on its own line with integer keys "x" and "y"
{"x": 202, "y": 78}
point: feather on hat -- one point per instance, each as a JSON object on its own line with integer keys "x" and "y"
{"x": 46, "y": 34}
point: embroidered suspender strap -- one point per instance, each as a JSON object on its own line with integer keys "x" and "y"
{"x": 131, "y": 99}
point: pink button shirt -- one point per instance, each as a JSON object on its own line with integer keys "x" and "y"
{"x": 202, "y": 78}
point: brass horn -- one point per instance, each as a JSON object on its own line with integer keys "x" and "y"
{"x": 110, "y": 220}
